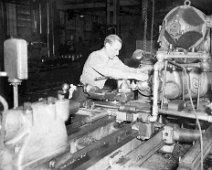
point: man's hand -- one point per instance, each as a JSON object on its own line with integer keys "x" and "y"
{"x": 145, "y": 68}
{"x": 141, "y": 76}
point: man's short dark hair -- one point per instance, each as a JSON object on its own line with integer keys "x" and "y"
{"x": 112, "y": 38}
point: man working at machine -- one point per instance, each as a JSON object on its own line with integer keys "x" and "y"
{"x": 104, "y": 63}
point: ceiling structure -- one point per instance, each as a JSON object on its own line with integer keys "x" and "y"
{"x": 130, "y": 6}
{"x": 82, "y": 4}
{"x": 98, "y": 7}
{"x": 127, "y": 6}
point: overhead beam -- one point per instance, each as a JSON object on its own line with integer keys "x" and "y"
{"x": 93, "y": 5}
{"x": 81, "y": 6}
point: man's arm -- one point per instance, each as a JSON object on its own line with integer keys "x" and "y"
{"x": 116, "y": 69}
{"x": 120, "y": 73}
{"x": 120, "y": 65}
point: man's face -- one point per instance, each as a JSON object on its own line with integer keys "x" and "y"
{"x": 113, "y": 49}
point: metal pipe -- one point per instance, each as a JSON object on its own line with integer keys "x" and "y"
{"x": 183, "y": 86}
{"x": 186, "y": 135}
{"x": 155, "y": 92}
{"x": 164, "y": 84}
{"x": 200, "y": 115}
{"x": 199, "y": 90}
{"x": 154, "y": 115}
{"x": 183, "y": 66}
{"x": 176, "y": 64}
{"x": 173, "y": 55}
{"x": 198, "y": 65}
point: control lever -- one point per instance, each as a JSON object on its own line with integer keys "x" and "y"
{"x": 123, "y": 108}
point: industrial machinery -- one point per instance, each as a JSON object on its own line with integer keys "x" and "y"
{"x": 113, "y": 130}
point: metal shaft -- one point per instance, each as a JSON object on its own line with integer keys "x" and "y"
{"x": 200, "y": 115}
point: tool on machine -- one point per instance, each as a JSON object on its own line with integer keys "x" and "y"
{"x": 16, "y": 63}
{"x": 120, "y": 107}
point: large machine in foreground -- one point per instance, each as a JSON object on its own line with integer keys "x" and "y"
{"x": 113, "y": 130}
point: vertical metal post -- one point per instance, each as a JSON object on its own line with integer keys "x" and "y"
{"x": 144, "y": 16}
{"x": 52, "y": 24}
{"x": 210, "y": 35}
{"x": 114, "y": 20}
{"x": 112, "y": 13}
{"x": 3, "y": 29}
{"x": 155, "y": 92}
{"x": 48, "y": 28}
{"x": 40, "y": 18}
{"x": 199, "y": 89}
{"x": 152, "y": 24}
{"x": 117, "y": 9}
{"x": 164, "y": 84}
{"x": 108, "y": 11}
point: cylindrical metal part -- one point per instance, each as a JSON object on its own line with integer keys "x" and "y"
{"x": 175, "y": 55}
{"x": 153, "y": 118}
{"x": 186, "y": 135}
{"x": 128, "y": 109}
{"x": 16, "y": 58}
{"x": 15, "y": 95}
